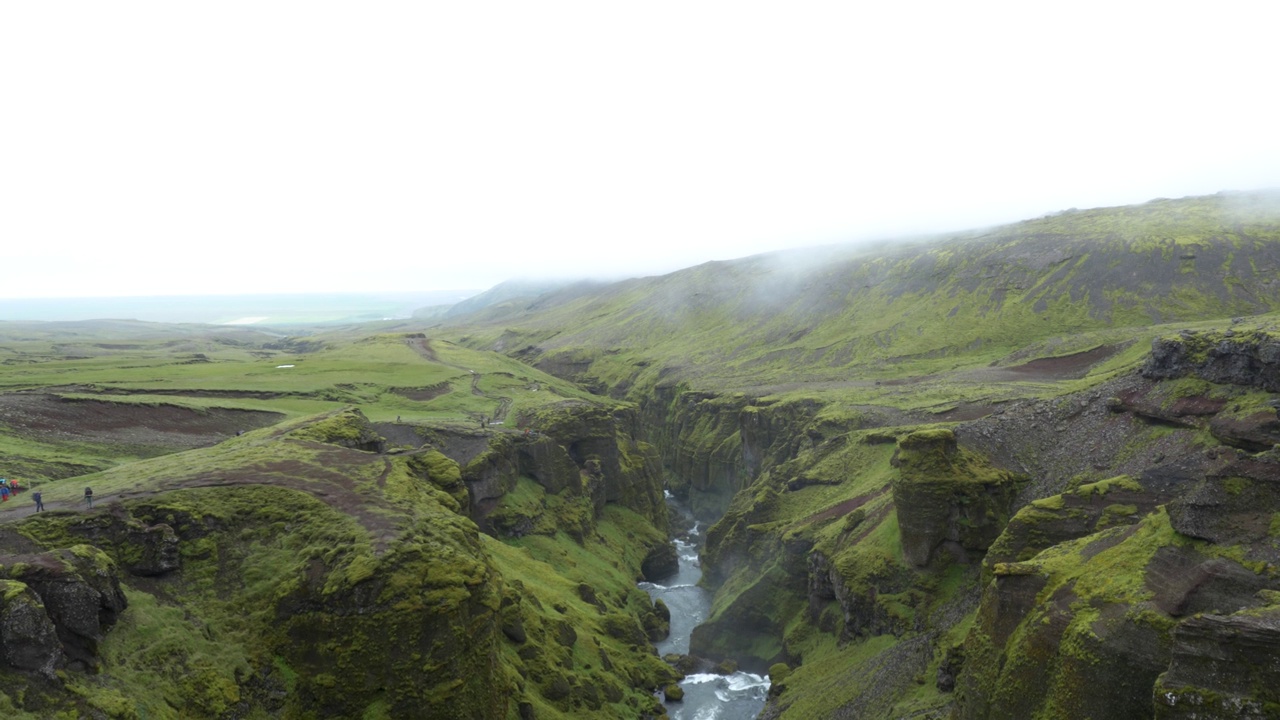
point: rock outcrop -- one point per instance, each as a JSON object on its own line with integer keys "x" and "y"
{"x": 1234, "y": 504}
{"x": 28, "y": 638}
{"x": 1223, "y": 666}
{"x": 1251, "y": 359}
{"x": 77, "y": 589}
{"x": 139, "y": 548}
{"x": 948, "y": 498}
{"x": 1096, "y": 506}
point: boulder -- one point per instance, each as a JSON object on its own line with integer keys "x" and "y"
{"x": 1256, "y": 432}
{"x": 79, "y": 589}
{"x": 28, "y": 639}
{"x": 660, "y": 563}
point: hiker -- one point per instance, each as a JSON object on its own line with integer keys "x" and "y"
{"x": 39, "y": 502}
{"x": 4, "y": 493}
{"x": 88, "y": 497}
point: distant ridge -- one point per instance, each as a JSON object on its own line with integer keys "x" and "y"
{"x": 981, "y": 294}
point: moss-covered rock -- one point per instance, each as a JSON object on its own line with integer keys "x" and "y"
{"x": 661, "y": 562}
{"x": 421, "y": 633}
{"x": 137, "y": 547}
{"x": 1087, "y": 626}
{"x": 28, "y": 639}
{"x": 1240, "y": 358}
{"x": 948, "y": 497}
{"x": 79, "y": 589}
{"x": 547, "y": 462}
{"x": 1095, "y": 506}
{"x": 443, "y": 473}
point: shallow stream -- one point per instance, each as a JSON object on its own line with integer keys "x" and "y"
{"x": 739, "y": 696}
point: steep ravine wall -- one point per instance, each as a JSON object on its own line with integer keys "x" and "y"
{"x": 713, "y": 445}
{"x": 1192, "y": 432}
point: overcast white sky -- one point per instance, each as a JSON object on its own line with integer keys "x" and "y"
{"x": 224, "y": 147}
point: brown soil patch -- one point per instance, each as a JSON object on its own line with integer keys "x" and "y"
{"x": 1197, "y": 405}
{"x": 50, "y": 418}
{"x": 1065, "y": 367}
{"x": 252, "y": 394}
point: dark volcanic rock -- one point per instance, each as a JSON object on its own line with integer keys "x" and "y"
{"x": 1251, "y": 359}
{"x": 544, "y": 460}
{"x": 661, "y": 562}
{"x": 1025, "y": 658}
{"x": 1233, "y": 504}
{"x": 1184, "y": 582}
{"x": 28, "y": 639}
{"x": 159, "y": 550}
{"x": 1257, "y": 432}
{"x": 948, "y": 498}
{"x": 949, "y": 668}
{"x": 80, "y": 593}
{"x": 1223, "y": 667}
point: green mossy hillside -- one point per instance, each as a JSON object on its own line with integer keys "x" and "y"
{"x": 902, "y": 309}
{"x": 312, "y": 579}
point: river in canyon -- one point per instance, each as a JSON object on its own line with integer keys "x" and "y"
{"x": 707, "y": 696}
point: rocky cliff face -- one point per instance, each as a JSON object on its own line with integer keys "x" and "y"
{"x": 1089, "y": 551}
{"x": 1153, "y": 590}
{"x": 948, "y": 499}
{"x": 1223, "y": 666}
{"x": 55, "y": 608}
{"x": 714, "y": 445}
{"x": 1249, "y": 359}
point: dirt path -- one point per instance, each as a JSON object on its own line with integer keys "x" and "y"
{"x": 22, "y": 505}
{"x": 422, "y": 346}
